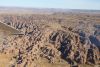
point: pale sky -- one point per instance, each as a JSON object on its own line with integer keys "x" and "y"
{"x": 69, "y": 4}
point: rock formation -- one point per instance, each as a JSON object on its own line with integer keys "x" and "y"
{"x": 53, "y": 44}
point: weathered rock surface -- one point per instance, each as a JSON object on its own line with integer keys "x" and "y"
{"x": 52, "y": 43}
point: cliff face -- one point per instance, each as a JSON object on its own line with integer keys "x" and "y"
{"x": 52, "y": 44}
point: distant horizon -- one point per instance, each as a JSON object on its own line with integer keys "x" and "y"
{"x": 44, "y": 8}
{"x": 56, "y": 4}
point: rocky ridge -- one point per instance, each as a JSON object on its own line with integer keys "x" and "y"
{"x": 52, "y": 43}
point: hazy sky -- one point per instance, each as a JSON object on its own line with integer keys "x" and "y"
{"x": 70, "y": 4}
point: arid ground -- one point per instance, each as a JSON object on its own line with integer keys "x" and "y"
{"x": 51, "y": 38}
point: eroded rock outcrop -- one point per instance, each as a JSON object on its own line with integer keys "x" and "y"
{"x": 50, "y": 43}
